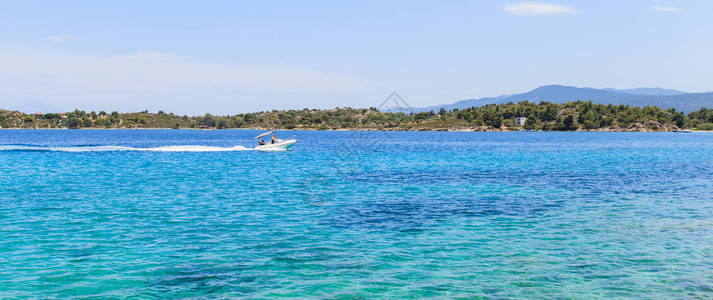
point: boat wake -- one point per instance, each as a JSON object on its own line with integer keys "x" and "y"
{"x": 174, "y": 148}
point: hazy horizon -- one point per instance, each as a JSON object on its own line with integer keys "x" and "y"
{"x": 227, "y": 58}
{"x": 387, "y": 103}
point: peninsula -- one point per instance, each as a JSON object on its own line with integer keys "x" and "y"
{"x": 542, "y": 116}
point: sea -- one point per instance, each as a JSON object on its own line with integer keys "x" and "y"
{"x": 114, "y": 214}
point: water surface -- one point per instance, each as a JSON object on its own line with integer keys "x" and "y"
{"x": 113, "y": 213}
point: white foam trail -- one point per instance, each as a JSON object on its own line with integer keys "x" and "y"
{"x": 193, "y": 148}
{"x": 175, "y": 148}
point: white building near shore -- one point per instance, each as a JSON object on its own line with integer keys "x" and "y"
{"x": 520, "y": 121}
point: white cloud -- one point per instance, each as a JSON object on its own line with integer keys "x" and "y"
{"x": 666, "y": 8}
{"x": 538, "y": 8}
{"x": 61, "y": 38}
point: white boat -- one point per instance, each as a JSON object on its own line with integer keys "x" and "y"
{"x": 278, "y": 145}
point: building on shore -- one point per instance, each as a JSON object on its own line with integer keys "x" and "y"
{"x": 520, "y": 121}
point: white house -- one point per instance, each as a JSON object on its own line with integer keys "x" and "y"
{"x": 520, "y": 121}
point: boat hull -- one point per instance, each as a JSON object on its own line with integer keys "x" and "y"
{"x": 280, "y": 145}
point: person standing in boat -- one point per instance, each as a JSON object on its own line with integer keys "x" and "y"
{"x": 274, "y": 138}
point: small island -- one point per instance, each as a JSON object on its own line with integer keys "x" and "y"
{"x": 543, "y": 116}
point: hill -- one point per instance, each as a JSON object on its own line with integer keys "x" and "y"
{"x": 639, "y": 97}
{"x": 547, "y": 116}
{"x": 648, "y": 91}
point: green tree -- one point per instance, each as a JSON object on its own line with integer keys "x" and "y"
{"x": 680, "y": 119}
{"x": 531, "y": 122}
{"x": 567, "y": 123}
{"x": 493, "y": 119}
{"x": 74, "y": 122}
{"x": 589, "y": 124}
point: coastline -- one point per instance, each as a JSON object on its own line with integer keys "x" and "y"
{"x": 368, "y": 129}
{"x": 577, "y": 116}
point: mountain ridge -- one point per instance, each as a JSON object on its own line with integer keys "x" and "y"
{"x": 654, "y": 91}
{"x": 664, "y": 98}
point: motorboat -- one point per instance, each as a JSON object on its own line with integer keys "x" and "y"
{"x": 279, "y": 145}
{"x": 276, "y": 144}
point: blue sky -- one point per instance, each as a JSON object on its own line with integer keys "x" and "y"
{"x": 192, "y": 57}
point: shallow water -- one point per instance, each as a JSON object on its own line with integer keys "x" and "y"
{"x": 109, "y": 213}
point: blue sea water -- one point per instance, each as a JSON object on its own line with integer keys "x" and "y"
{"x": 349, "y": 215}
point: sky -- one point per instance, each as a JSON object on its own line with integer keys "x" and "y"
{"x": 226, "y": 57}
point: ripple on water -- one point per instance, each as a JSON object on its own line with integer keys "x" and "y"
{"x": 440, "y": 215}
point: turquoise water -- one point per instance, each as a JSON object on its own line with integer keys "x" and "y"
{"x": 114, "y": 214}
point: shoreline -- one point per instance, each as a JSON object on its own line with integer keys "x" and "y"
{"x": 576, "y": 116}
{"x": 365, "y": 129}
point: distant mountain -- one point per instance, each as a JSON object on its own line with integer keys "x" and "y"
{"x": 648, "y": 91}
{"x": 641, "y": 97}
